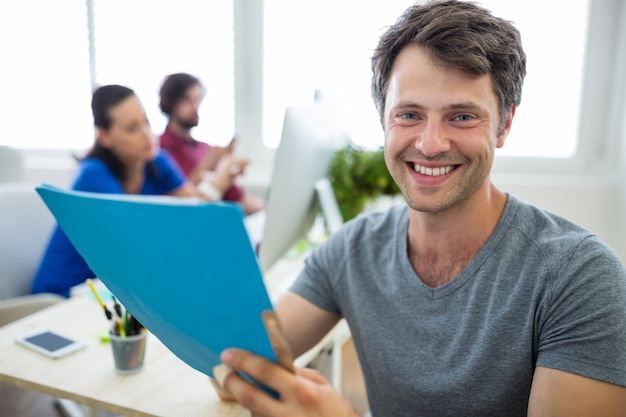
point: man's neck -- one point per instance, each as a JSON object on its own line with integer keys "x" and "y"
{"x": 179, "y": 130}
{"x": 441, "y": 245}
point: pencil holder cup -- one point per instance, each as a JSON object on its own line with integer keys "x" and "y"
{"x": 128, "y": 352}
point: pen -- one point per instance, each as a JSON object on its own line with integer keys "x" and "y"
{"x": 135, "y": 325}
{"x": 117, "y": 306}
{"x": 95, "y": 293}
{"x": 120, "y": 328}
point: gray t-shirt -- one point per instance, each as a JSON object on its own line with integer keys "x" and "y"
{"x": 541, "y": 292}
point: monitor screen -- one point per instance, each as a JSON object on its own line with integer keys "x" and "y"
{"x": 310, "y": 136}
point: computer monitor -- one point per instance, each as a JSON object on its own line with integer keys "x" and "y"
{"x": 310, "y": 136}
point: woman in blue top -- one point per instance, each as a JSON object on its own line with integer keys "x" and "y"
{"x": 125, "y": 159}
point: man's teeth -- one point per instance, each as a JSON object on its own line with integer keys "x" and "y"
{"x": 433, "y": 172}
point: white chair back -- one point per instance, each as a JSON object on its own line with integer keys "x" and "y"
{"x": 26, "y": 225}
{"x": 11, "y": 165}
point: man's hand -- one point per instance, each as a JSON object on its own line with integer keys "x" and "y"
{"x": 226, "y": 171}
{"x": 212, "y": 158}
{"x": 305, "y": 393}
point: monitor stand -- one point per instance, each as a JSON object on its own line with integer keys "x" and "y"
{"x": 328, "y": 203}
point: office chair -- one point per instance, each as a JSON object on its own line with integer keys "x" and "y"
{"x": 25, "y": 227}
{"x": 11, "y": 165}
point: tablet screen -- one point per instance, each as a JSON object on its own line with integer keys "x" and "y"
{"x": 49, "y": 341}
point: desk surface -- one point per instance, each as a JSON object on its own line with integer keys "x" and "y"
{"x": 165, "y": 387}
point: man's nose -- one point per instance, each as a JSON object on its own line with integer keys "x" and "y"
{"x": 432, "y": 140}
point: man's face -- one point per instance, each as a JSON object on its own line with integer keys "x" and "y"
{"x": 440, "y": 132}
{"x": 186, "y": 110}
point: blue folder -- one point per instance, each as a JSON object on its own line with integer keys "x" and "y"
{"x": 185, "y": 268}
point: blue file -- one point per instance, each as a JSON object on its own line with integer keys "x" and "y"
{"x": 185, "y": 268}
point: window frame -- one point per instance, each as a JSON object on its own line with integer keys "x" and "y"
{"x": 600, "y": 109}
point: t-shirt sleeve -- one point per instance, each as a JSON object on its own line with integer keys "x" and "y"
{"x": 317, "y": 281}
{"x": 328, "y": 273}
{"x": 583, "y": 326}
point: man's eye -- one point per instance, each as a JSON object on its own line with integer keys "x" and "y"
{"x": 408, "y": 116}
{"x": 463, "y": 118}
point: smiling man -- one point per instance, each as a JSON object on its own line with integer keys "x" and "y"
{"x": 466, "y": 301}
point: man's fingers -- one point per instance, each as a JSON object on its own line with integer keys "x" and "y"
{"x": 312, "y": 375}
{"x": 304, "y": 393}
{"x": 221, "y": 392}
{"x": 221, "y": 371}
{"x": 258, "y": 368}
{"x": 248, "y": 395}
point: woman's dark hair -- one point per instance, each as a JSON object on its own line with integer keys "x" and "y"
{"x": 104, "y": 98}
{"x": 173, "y": 89}
{"x": 456, "y": 34}
{"x": 102, "y": 101}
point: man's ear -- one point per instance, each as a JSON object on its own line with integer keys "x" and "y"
{"x": 507, "y": 127}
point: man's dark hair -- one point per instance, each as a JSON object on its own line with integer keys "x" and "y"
{"x": 173, "y": 89}
{"x": 460, "y": 35}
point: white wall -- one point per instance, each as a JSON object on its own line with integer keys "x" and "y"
{"x": 594, "y": 203}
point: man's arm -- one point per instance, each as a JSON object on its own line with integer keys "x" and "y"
{"x": 302, "y": 323}
{"x": 210, "y": 160}
{"x": 207, "y": 163}
{"x": 557, "y": 393}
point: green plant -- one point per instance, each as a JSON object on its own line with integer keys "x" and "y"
{"x": 357, "y": 176}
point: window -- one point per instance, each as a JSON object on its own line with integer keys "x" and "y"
{"x": 46, "y": 71}
{"x": 138, "y": 43}
{"x": 45, "y": 75}
{"x": 554, "y": 38}
{"x": 327, "y": 45}
{"x": 307, "y": 46}
{"x": 324, "y": 45}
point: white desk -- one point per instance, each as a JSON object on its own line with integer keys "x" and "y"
{"x": 166, "y": 387}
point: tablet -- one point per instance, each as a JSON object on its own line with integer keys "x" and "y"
{"x": 50, "y": 343}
